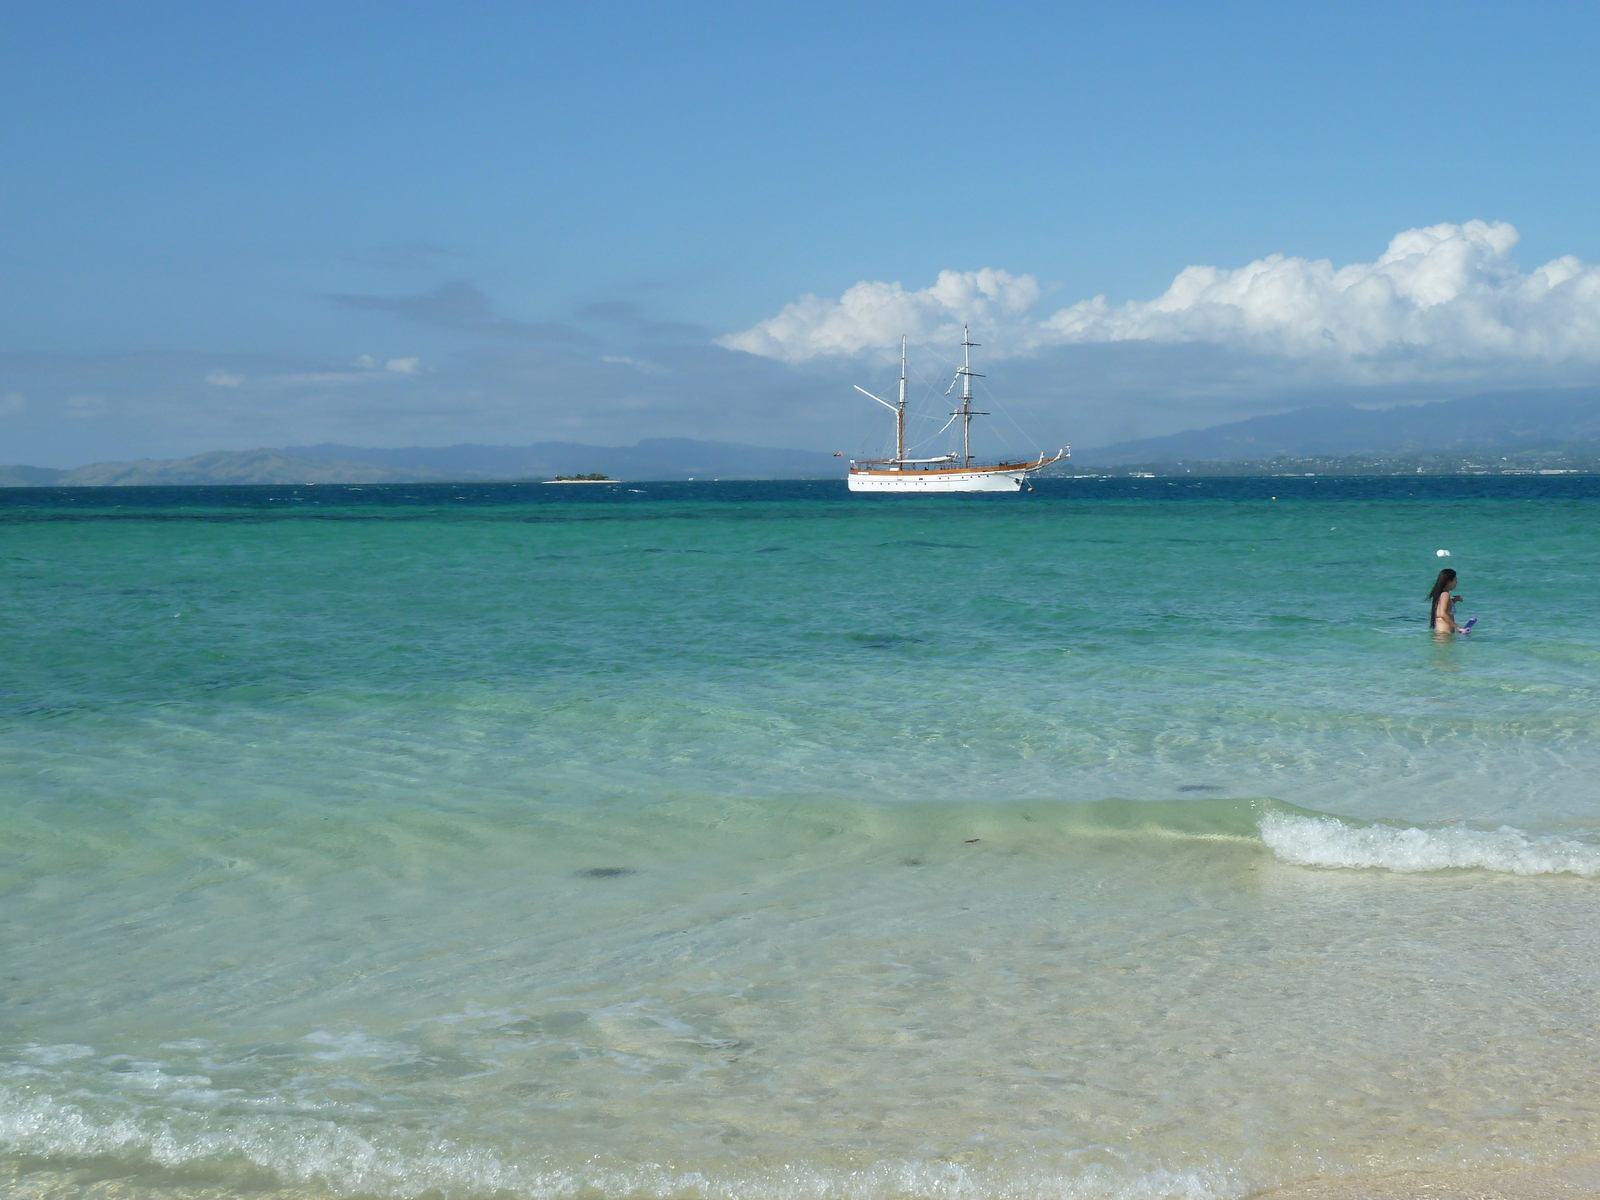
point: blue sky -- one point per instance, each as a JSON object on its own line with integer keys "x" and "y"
{"x": 427, "y": 223}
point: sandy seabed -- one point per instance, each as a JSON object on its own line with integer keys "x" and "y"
{"x": 1544, "y": 1183}
{"x": 1571, "y": 1182}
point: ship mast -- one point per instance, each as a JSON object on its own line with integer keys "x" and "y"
{"x": 900, "y": 413}
{"x": 965, "y": 411}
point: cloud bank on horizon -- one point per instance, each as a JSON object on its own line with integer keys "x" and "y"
{"x": 1445, "y": 311}
{"x": 1439, "y": 299}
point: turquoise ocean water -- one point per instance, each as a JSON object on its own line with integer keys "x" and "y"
{"x": 1120, "y": 839}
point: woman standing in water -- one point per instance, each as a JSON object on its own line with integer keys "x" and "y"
{"x": 1443, "y": 603}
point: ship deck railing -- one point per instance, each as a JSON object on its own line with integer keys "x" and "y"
{"x": 891, "y": 466}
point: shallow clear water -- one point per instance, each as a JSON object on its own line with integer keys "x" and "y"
{"x": 1124, "y": 838}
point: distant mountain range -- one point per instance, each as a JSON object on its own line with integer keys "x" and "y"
{"x": 220, "y": 466}
{"x": 653, "y": 458}
{"x": 1505, "y": 419}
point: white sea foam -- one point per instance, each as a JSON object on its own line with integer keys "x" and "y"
{"x": 357, "y": 1045}
{"x": 1329, "y": 842}
{"x": 51, "y": 1056}
{"x": 322, "y": 1152}
{"x": 296, "y": 1150}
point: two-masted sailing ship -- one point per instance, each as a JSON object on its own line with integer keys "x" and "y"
{"x": 950, "y": 472}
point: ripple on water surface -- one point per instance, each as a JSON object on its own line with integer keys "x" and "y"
{"x": 463, "y": 841}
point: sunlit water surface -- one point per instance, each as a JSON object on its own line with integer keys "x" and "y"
{"x": 1119, "y": 839}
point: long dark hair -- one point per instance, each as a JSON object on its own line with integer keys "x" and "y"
{"x": 1446, "y": 581}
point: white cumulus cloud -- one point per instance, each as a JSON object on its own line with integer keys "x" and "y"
{"x": 872, "y": 316}
{"x": 1447, "y": 295}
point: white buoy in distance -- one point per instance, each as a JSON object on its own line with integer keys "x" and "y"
{"x": 1442, "y": 553}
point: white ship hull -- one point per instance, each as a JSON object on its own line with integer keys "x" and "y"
{"x": 942, "y": 474}
{"x": 992, "y": 480}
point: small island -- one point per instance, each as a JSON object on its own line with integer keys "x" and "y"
{"x": 594, "y": 478}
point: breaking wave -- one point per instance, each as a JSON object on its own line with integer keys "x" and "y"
{"x": 1325, "y": 841}
{"x": 319, "y": 1155}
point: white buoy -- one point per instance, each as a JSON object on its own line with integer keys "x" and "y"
{"x": 1442, "y": 553}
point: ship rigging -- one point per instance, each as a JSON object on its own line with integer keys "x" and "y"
{"x": 950, "y": 472}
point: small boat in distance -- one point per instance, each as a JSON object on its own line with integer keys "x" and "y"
{"x": 595, "y": 478}
{"x": 950, "y": 472}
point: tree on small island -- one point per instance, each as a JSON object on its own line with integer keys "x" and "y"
{"x": 594, "y": 478}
